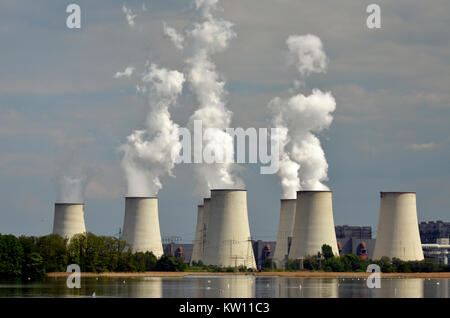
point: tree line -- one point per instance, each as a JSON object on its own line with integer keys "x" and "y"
{"x": 32, "y": 257}
{"x": 328, "y": 262}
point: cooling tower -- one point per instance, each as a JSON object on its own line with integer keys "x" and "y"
{"x": 69, "y": 219}
{"x": 198, "y": 240}
{"x": 285, "y": 227}
{"x": 398, "y": 229}
{"x": 206, "y": 204}
{"x": 313, "y": 224}
{"x": 141, "y": 225}
{"x": 228, "y": 241}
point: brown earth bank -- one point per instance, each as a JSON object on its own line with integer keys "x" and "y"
{"x": 304, "y": 274}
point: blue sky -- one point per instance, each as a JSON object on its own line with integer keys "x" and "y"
{"x": 60, "y": 106}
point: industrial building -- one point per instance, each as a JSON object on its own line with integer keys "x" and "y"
{"x": 285, "y": 229}
{"x": 431, "y": 231}
{"x": 141, "y": 225}
{"x": 228, "y": 239}
{"x": 69, "y": 219}
{"x": 313, "y": 224}
{"x": 355, "y": 240}
{"x": 197, "y": 252}
{"x": 398, "y": 230}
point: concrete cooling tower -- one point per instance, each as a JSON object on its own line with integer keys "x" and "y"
{"x": 285, "y": 227}
{"x": 313, "y": 224}
{"x": 398, "y": 229}
{"x": 69, "y": 219}
{"x": 198, "y": 239}
{"x": 141, "y": 225}
{"x": 228, "y": 241}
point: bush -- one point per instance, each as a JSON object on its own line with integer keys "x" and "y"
{"x": 327, "y": 251}
{"x": 170, "y": 263}
{"x": 269, "y": 265}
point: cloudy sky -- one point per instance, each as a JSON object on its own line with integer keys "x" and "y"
{"x": 61, "y": 107}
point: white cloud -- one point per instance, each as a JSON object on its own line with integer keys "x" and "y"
{"x": 424, "y": 147}
{"x": 129, "y": 15}
{"x": 126, "y": 73}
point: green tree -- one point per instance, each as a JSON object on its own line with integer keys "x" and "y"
{"x": 327, "y": 251}
{"x": 333, "y": 264}
{"x": 170, "y": 263}
{"x": 11, "y": 256}
{"x": 53, "y": 249}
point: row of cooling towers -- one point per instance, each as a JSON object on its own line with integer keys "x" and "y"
{"x": 222, "y": 235}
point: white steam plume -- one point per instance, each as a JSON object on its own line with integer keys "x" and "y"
{"x": 147, "y": 153}
{"x": 306, "y": 53}
{"x": 209, "y": 36}
{"x": 126, "y": 73}
{"x": 71, "y": 189}
{"x": 176, "y": 38}
{"x": 129, "y": 15}
{"x": 206, "y": 38}
{"x": 303, "y": 165}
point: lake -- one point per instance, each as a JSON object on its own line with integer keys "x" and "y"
{"x": 229, "y": 286}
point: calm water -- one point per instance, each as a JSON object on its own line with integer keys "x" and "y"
{"x": 229, "y": 286}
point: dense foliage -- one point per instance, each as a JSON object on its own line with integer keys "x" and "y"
{"x": 33, "y": 257}
{"x": 328, "y": 262}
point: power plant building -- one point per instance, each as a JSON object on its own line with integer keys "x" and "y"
{"x": 141, "y": 225}
{"x": 197, "y": 253}
{"x": 285, "y": 228}
{"x": 398, "y": 230}
{"x": 69, "y": 219}
{"x": 313, "y": 224}
{"x": 228, "y": 239}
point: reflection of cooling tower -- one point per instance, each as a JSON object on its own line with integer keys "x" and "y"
{"x": 285, "y": 227}
{"x": 198, "y": 240}
{"x": 401, "y": 288}
{"x": 228, "y": 241}
{"x": 141, "y": 225}
{"x": 398, "y": 229}
{"x": 69, "y": 219}
{"x": 313, "y": 224}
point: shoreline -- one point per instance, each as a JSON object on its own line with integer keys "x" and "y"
{"x": 305, "y": 274}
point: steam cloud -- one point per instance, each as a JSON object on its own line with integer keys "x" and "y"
{"x": 129, "y": 15}
{"x": 126, "y": 73}
{"x": 303, "y": 165}
{"x": 205, "y": 38}
{"x": 147, "y": 153}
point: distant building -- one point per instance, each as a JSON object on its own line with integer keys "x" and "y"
{"x": 359, "y": 232}
{"x": 439, "y": 251}
{"x": 179, "y": 250}
{"x": 262, "y": 251}
{"x": 433, "y": 230}
{"x": 355, "y": 240}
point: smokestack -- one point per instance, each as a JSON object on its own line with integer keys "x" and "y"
{"x": 398, "y": 229}
{"x": 141, "y": 225}
{"x": 313, "y": 225}
{"x": 228, "y": 241}
{"x": 69, "y": 219}
{"x": 285, "y": 228}
{"x": 198, "y": 240}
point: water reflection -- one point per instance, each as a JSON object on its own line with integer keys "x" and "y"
{"x": 229, "y": 286}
